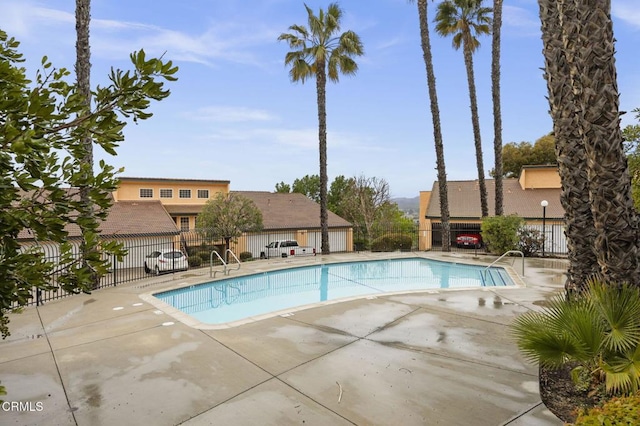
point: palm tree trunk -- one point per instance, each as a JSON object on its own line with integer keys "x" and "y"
{"x": 594, "y": 80}
{"x": 321, "y": 84}
{"x": 497, "y": 114}
{"x": 437, "y": 131}
{"x": 475, "y": 120}
{"x": 572, "y": 167}
{"x": 83, "y": 72}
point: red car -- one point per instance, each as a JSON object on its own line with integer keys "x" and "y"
{"x": 469, "y": 240}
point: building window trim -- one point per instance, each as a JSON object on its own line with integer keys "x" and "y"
{"x": 146, "y": 193}
{"x": 184, "y": 224}
{"x": 203, "y": 193}
{"x": 166, "y": 193}
{"x": 184, "y": 193}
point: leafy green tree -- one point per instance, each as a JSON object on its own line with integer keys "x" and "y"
{"x": 338, "y": 193}
{"x": 631, "y": 135}
{"x": 283, "y": 188}
{"x": 228, "y": 216}
{"x": 42, "y": 125}
{"x": 516, "y": 155}
{"x": 308, "y": 185}
{"x": 464, "y": 19}
{"x": 425, "y": 42}
{"x": 320, "y": 52}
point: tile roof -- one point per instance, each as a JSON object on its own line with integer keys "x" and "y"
{"x": 129, "y": 217}
{"x": 464, "y": 200}
{"x": 290, "y": 211}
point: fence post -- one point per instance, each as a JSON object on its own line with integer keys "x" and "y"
{"x": 114, "y": 263}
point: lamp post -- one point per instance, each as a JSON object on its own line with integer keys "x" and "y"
{"x": 544, "y": 204}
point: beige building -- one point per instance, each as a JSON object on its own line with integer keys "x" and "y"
{"x": 182, "y": 198}
{"x": 522, "y": 197}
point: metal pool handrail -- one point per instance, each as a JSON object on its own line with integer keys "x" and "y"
{"x": 237, "y": 261}
{"x": 484, "y": 271}
{"x": 225, "y": 269}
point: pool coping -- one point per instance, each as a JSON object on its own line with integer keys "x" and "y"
{"x": 199, "y": 325}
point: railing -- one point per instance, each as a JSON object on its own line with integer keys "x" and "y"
{"x": 225, "y": 267}
{"x": 484, "y": 271}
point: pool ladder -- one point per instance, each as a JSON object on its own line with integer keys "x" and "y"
{"x": 225, "y": 270}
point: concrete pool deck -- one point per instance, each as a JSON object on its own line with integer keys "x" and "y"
{"x": 436, "y": 357}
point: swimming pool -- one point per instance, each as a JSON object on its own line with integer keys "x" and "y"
{"x": 234, "y": 299}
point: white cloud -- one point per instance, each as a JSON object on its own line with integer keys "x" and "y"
{"x": 627, "y": 11}
{"x": 221, "y": 41}
{"x": 231, "y": 114}
{"x": 524, "y": 20}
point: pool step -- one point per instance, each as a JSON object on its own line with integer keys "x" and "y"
{"x": 495, "y": 277}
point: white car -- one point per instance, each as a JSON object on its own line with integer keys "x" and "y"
{"x": 165, "y": 261}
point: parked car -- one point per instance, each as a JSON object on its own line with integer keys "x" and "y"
{"x": 469, "y": 240}
{"x": 286, "y": 248}
{"x": 165, "y": 261}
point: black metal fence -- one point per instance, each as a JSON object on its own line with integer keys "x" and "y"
{"x": 199, "y": 248}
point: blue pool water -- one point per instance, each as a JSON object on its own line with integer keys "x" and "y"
{"x": 238, "y": 298}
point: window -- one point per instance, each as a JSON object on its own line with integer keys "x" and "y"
{"x": 203, "y": 193}
{"x": 146, "y": 193}
{"x": 184, "y": 193}
{"x": 184, "y": 224}
{"x": 166, "y": 193}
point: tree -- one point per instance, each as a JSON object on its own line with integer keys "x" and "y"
{"x": 283, "y": 188}
{"x": 228, "y": 216}
{"x": 425, "y": 42}
{"x": 319, "y": 52}
{"x": 308, "y": 185}
{"x": 495, "y": 95}
{"x": 365, "y": 201}
{"x": 338, "y": 192}
{"x": 88, "y": 247}
{"x": 39, "y": 123}
{"x": 570, "y": 152}
{"x": 631, "y": 135}
{"x": 464, "y": 19}
{"x": 587, "y": 43}
{"x": 517, "y": 155}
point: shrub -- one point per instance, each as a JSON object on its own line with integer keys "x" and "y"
{"x": 530, "y": 241}
{"x": 500, "y": 233}
{"x": 392, "y": 242}
{"x": 245, "y": 255}
{"x": 195, "y": 260}
{"x": 616, "y": 411}
{"x": 597, "y": 330}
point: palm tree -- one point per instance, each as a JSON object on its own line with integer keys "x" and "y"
{"x": 425, "y": 41}
{"x": 596, "y": 331}
{"x": 579, "y": 39}
{"x": 495, "y": 93}
{"x": 594, "y": 72}
{"x": 320, "y": 52}
{"x": 464, "y": 19}
{"x": 572, "y": 165}
{"x": 83, "y": 73}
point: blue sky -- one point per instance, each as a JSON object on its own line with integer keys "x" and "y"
{"x": 234, "y": 115}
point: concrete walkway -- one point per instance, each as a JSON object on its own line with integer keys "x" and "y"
{"x": 438, "y": 357}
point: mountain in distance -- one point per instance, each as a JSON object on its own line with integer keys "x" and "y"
{"x": 410, "y": 206}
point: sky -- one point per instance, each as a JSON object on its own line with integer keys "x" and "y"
{"x": 234, "y": 114}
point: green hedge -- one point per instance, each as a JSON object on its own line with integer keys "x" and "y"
{"x": 392, "y": 242}
{"x": 245, "y": 256}
{"x": 500, "y": 233}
